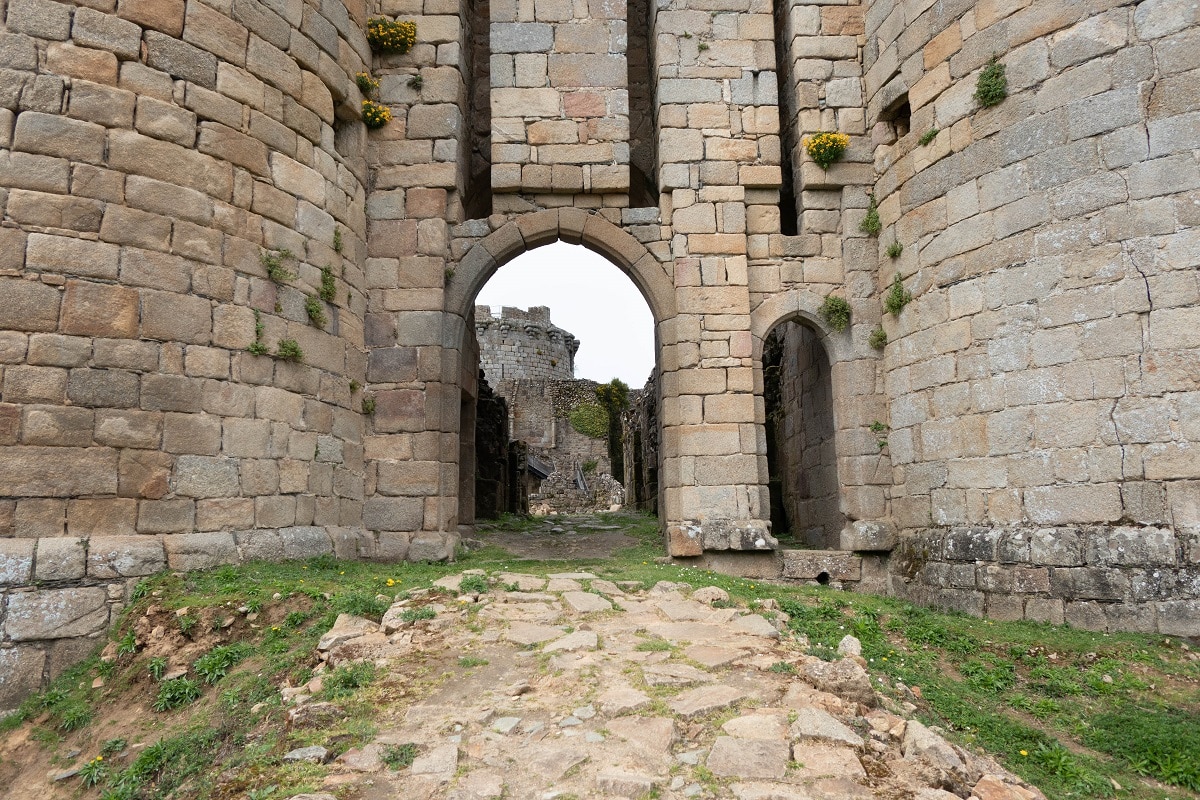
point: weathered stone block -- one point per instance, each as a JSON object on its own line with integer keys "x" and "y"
{"x": 821, "y": 565}
{"x": 124, "y": 556}
{"x": 59, "y": 559}
{"x": 189, "y": 551}
{"x": 16, "y": 561}
{"x": 56, "y": 613}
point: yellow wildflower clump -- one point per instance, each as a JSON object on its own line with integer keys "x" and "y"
{"x": 825, "y": 147}
{"x": 388, "y": 36}
{"x": 366, "y": 84}
{"x": 375, "y": 115}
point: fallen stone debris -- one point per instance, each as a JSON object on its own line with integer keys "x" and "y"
{"x": 573, "y": 686}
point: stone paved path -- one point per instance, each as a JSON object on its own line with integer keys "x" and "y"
{"x": 591, "y": 689}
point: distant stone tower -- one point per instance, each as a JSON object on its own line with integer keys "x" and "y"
{"x": 523, "y": 345}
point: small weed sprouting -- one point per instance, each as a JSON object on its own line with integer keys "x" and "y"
{"x": 157, "y": 667}
{"x": 782, "y": 668}
{"x": 94, "y": 771}
{"x": 257, "y": 348}
{"x": 338, "y": 243}
{"x": 473, "y": 584}
{"x": 273, "y": 262}
{"x": 346, "y": 679}
{"x": 894, "y": 250}
{"x": 417, "y": 614}
{"x": 871, "y": 224}
{"x": 897, "y": 297}
{"x": 878, "y": 338}
{"x": 113, "y": 746}
{"x": 127, "y": 645}
{"x": 928, "y": 136}
{"x": 992, "y": 85}
{"x": 836, "y": 312}
{"x": 315, "y": 311}
{"x": 186, "y": 624}
{"x": 368, "y": 405}
{"x": 472, "y": 661}
{"x": 216, "y": 663}
{"x": 176, "y": 693}
{"x": 289, "y": 350}
{"x": 328, "y": 290}
{"x": 400, "y": 756}
{"x": 366, "y": 84}
{"x": 654, "y": 645}
{"x": 416, "y": 82}
{"x": 354, "y": 386}
{"x": 448, "y": 275}
{"x": 702, "y": 46}
{"x": 73, "y": 715}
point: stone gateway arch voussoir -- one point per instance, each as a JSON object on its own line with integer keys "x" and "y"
{"x": 571, "y": 225}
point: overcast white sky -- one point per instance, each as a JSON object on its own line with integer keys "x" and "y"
{"x": 588, "y": 296}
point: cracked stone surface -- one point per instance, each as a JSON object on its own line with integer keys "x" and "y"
{"x": 563, "y": 692}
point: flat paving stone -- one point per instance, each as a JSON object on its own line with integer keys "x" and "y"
{"x": 674, "y": 675}
{"x": 748, "y": 758}
{"x": 525, "y": 583}
{"x": 526, "y": 633}
{"x": 572, "y": 576}
{"x": 714, "y": 657}
{"x": 768, "y": 791}
{"x": 815, "y": 724}
{"x": 652, "y": 734}
{"x": 677, "y": 632}
{"x": 579, "y": 640}
{"x": 622, "y": 699}
{"x": 551, "y": 761}
{"x": 704, "y": 699}
{"x": 817, "y": 761}
{"x": 564, "y": 585}
{"x": 624, "y": 784}
{"x": 586, "y": 602}
{"x": 684, "y": 610}
{"x": 755, "y": 625}
{"x": 441, "y": 760}
{"x": 766, "y": 725}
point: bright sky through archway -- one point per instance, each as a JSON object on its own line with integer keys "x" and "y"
{"x": 588, "y": 296}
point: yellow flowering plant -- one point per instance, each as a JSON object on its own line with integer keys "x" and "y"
{"x": 366, "y": 84}
{"x": 391, "y": 36}
{"x": 375, "y": 115}
{"x": 825, "y": 147}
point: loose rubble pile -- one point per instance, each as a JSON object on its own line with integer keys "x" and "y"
{"x": 573, "y": 686}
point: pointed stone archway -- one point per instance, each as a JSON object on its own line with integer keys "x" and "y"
{"x": 487, "y": 255}
{"x": 863, "y": 468}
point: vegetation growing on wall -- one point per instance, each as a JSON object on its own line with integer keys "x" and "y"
{"x": 614, "y": 397}
{"x": 590, "y": 419}
{"x": 825, "y": 147}
{"x": 391, "y": 36}
{"x": 992, "y": 85}
{"x": 836, "y": 312}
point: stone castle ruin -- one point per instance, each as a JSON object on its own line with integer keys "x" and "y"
{"x": 238, "y": 324}
{"x": 530, "y": 363}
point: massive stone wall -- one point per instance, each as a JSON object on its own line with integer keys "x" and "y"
{"x": 1041, "y": 385}
{"x": 150, "y": 153}
{"x": 1042, "y": 382}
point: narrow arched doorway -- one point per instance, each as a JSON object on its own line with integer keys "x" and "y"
{"x": 801, "y": 437}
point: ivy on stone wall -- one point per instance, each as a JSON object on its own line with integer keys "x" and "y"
{"x": 590, "y": 419}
